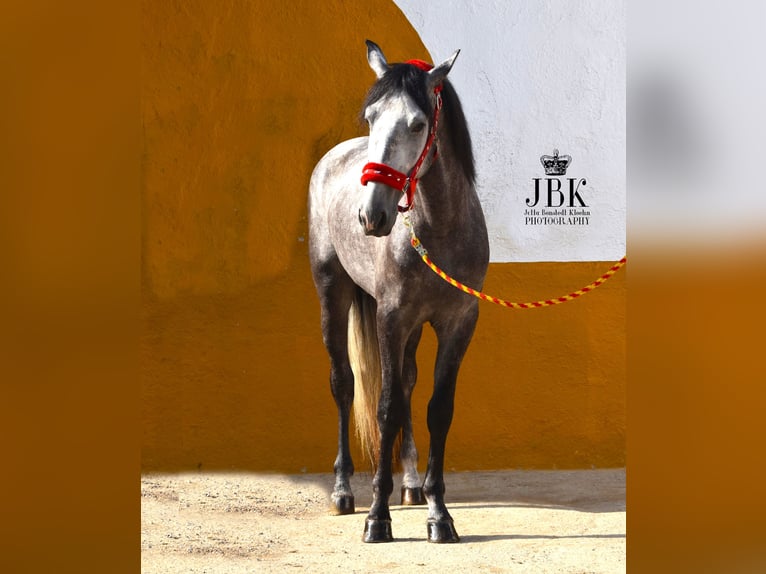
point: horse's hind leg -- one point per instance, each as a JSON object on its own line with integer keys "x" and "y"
{"x": 336, "y": 291}
{"x": 453, "y": 342}
{"x": 412, "y": 487}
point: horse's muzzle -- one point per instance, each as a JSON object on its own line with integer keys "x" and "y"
{"x": 376, "y": 223}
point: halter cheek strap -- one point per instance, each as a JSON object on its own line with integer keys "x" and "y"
{"x": 406, "y": 183}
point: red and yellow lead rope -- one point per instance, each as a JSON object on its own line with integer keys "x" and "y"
{"x": 415, "y": 242}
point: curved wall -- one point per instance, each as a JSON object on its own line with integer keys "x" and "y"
{"x": 239, "y": 100}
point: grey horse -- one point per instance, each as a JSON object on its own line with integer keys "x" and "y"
{"x": 375, "y": 292}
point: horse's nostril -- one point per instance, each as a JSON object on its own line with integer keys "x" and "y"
{"x": 373, "y": 223}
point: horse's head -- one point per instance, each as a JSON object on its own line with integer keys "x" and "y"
{"x": 399, "y": 110}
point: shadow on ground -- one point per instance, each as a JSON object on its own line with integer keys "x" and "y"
{"x": 581, "y": 490}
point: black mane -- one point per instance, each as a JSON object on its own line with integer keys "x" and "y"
{"x": 412, "y": 81}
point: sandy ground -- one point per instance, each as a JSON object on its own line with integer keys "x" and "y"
{"x": 509, "y": 521}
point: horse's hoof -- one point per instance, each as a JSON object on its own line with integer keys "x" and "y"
{"x": 412, "y": 496}
{"x": 377, "y": 531}
{"x": 442, "y": 531}
{"x": 344, "y": 504}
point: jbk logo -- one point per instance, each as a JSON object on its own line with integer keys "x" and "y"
{"x": 554, "y": 197}
{"x": 555, "y": 192}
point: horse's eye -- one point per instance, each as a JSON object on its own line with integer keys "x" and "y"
{"x": 418, "y": 127}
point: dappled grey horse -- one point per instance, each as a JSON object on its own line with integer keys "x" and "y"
{"x": 374, "y": 291}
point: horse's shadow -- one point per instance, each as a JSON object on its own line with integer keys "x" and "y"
{"x": 466, "y": 503}
{"x": 597, "y": 491}
{"x": 478, "y": 538}
{"x": 484, "y": 538}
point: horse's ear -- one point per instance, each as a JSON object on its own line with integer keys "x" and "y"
{"x": 437, "y": 74}
{"x": 376, "y": 59}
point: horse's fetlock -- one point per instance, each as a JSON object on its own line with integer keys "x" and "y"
{"x": 383, "y": 486}
{"x": 343, "y": 469}
{"x": 433, "y": 489}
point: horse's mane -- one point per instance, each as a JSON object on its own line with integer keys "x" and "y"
{"x": 412, "y": 81}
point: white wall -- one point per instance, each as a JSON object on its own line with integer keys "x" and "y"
{"x": 534, "y": 75}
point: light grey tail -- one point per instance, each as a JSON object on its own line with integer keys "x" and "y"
{"x": 364, "y": 355}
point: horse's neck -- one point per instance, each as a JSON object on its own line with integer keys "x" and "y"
{"x": 444, "y": 194}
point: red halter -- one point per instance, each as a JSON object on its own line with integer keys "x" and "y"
{"x": 407, "y": 184}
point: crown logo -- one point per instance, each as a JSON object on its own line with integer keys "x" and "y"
{"x": 555, "y": 164}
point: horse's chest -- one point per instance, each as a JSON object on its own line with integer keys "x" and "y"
{"x": 407, "y": 278}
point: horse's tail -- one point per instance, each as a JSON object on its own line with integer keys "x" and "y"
{"x": 364, "y": 354}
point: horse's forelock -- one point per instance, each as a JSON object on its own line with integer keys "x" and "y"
{"x": 400, "y": 78}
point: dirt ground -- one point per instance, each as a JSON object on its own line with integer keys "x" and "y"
{"x": 508, "y": 521}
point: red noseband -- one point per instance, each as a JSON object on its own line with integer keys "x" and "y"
{"x": 382, "y": 173}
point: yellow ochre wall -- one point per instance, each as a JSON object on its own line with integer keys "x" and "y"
{"x": 239, "y": 101}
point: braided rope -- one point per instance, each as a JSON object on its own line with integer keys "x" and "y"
{"x": 415, "y": 242}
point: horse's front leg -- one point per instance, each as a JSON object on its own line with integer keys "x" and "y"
{"x": 454, "y": 335}
{"x": 335, "y": 300}
{"x": 391, "y": 339}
